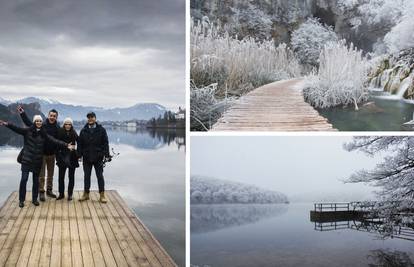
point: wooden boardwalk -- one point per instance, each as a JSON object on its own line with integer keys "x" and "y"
{"x": 73, "y": 233}
{"x": 278, "y": 106}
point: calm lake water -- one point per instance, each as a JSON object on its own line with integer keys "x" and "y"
{"x": 149, "y": 174}
{"x": 382, "y": 115}
{"x": 282, "y": 235}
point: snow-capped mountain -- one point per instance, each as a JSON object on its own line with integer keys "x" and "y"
{"x": 4, "y": 101}
{"x": 141, "y": 111}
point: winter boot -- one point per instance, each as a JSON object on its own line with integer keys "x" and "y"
{"x": 50, "y": 193}
{"x": 42, "y": 196}
{"x": 102, "y": 199}
{"x": 84, "y": 197}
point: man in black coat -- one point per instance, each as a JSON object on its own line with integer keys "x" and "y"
{"x": 93, "y": 147}
{"x": 49, "y": 152}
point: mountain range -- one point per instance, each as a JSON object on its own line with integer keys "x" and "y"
{"x": 141, "y": 111}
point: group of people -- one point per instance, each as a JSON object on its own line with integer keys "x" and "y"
{"x": 45, "y": 143}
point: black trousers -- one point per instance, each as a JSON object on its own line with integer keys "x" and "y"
{"x": 87, "y": 169}
{"x": 71, "y": 174}
{"x": 23, "y": 184}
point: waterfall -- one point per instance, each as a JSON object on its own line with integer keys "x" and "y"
{"x": 405, "y": 84}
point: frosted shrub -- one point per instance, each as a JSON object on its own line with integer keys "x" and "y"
{"x": 239, "y": 65}
{"x": 340, "y": 79}
{"x": 308, "y": 40}
{"x": 205, "y": 107}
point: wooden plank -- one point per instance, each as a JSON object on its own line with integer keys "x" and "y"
{"x": 46, "y": 249}
{"x": 83, "y": 233}
{"x": 149, "y": 239}
{"x": 9, "y": 216}
{"x": 56, "y": 252}
{"x": 74, "y": 235}
{"x": 62, "y": 233}
{"x": 93, "y": 238}
{"x": 118, "y": 245}
{"x": 17, "y": 242}
{"x": 34, "y": 258}
{"x": 278, "y": 106}
{"x": 132, "y": 251}
{"x": 102, "y": 240}
{"x": 28, "y": 242}
{"x": 66, "y": 244}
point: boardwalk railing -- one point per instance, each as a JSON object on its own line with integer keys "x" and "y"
{"x": 325, "y": 207}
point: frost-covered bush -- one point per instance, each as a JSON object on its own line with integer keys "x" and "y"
{"x": 236, "y": 65}
{"x": 340, "y": 79}
{"x": 214, "y": 191}
{"x": 308, "y": 40}
{"x": 205, "y": 107}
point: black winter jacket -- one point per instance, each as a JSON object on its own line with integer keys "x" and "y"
{"x": 64, "y": 157}
{"x": 93, "y": 143}
{"x": 34, "y": 141}
{"x": 51, "y": 129}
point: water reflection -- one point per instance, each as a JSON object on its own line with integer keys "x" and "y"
{"x": 207, "y": 218}
{"x": 388, "y": 258}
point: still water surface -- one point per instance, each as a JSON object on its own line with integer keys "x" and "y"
{"x": 149, "y": 174}
{"x": 282, "y": 235}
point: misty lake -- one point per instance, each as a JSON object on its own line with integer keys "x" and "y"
{"x": 149, "y": 174}
{"x": 282, "y": 235}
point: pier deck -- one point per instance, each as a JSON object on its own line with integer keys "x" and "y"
{"x": 73, "y": 233}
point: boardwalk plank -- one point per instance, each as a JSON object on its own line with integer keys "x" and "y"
{"x": 278, "y": 106}
{"x": 83, "y": 234}
{"x": 148, "y": 238}
{"x": 62, "y": 233}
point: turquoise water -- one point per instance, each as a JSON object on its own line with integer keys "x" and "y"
{"x": 149, "y": 174}
{"x": 380, "y": 114}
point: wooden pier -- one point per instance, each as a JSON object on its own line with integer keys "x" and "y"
{"x": 278, "y": 106}
{"x": 336, "y": 212}
{"x": 73, "y": 233}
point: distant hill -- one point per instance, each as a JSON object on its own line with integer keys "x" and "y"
{"x": 141, "y": 111}
{"x": 9, "y": 113}
{"x": 206, "y": 190}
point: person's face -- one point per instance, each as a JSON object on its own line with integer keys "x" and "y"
{"x": 52, "y": 117}
{"x": 38, "y": 124}
{"x": 91, "y": 120}
{"x": 68, "y": 126}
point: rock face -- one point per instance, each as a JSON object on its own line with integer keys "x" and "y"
{"x": 395, "y": 74}
{"x": 286, "y": 16}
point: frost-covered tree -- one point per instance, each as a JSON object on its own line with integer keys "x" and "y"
{"x": 249, "y": 20}
{"x": 206, "y": 190}
{"x": 340, "y": 79}
{"x": 394, "y": 176}
{"x": 308, "y": 40}
{"x": 401, "y": 35}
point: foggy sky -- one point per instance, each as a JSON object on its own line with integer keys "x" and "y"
{"x": 105, "y": 53}
{"x": 309, "y": 167}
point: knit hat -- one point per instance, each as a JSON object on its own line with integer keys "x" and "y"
{"x": 68, "y": 120}
{"x": 37, "y": 117}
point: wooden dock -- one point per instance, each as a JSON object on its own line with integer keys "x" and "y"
{"x": 73, "y": 233}
{"x": 278, "y": 106}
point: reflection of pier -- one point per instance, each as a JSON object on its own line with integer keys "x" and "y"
{"x": 359, "y": 216}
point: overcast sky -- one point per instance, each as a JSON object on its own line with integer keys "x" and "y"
{"x": 106, "y": 53}
{"x": 297, "y": 166}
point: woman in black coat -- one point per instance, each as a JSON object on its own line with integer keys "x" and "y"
{"x": 67, "y": 159}
{"x": 31, "y": 156}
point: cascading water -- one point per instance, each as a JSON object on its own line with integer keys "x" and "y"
{"x": 405, "y": 84}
